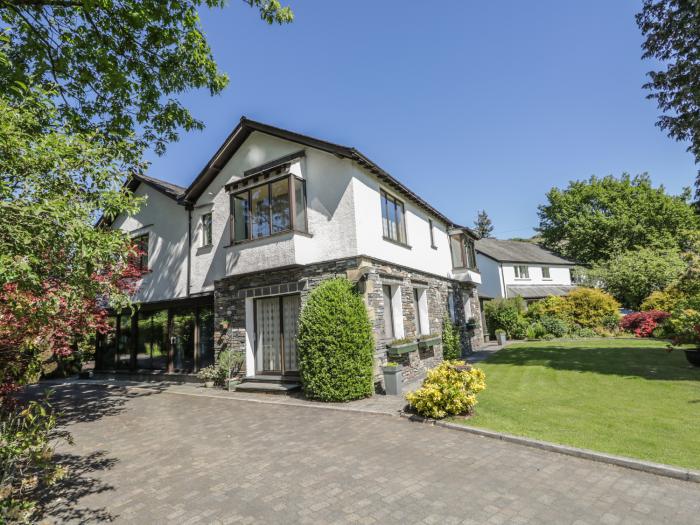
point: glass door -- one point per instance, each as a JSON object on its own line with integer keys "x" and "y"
{"x": 276, "y": 320}
{"x": 183, "y": 340}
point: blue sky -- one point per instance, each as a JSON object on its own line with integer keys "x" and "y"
{"x": 473, "y": 105}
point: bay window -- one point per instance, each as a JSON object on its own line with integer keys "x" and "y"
{"x": 463, "y": 253}
{"x": 266, "y": 209}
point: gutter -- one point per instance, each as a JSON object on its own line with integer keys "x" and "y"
{"x": 189, "y": 247}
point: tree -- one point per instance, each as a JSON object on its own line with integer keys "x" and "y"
{"x": 57, "y": 271}
{"x": 483, "y": 225}
{"x": 672, "y": 29}
{"x": 633, "y": 275}
{"x": 117, "y": 65}
{"x": 593, "y": 220}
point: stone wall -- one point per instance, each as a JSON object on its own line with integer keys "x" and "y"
{"x": 369, "y": 274}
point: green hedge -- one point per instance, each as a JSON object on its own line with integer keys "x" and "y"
{"x": 335, "y": 344}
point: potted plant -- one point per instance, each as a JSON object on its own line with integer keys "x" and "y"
{"x": 427, "y": 340}
{"x": 501, "y": 336}
{"x": 229, "y": 364}
{"x": 402, "y": 346}
{"x": 208, "y": 374}
{"x": 392, "y": 379}
{"x": 471, "y": 324}
{"x": 684, "y": 328}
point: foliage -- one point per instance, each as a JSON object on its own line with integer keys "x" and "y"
{"x": 683, "y": 325}
{"x": 664, "y": 300}
{"x": 592, "y": 307}
{"x": 585, "y": 332}
{"x": 448, "y": 389}
{"x": 643, "y": 324}
{"x": 689, "y": 283}
{"x": 57, "y": 271}
{"x": 118, "y": 65}
{"x": 208, "y": 373}
{"x": 451, "y": 340}
{"x": 592, "y": 220}
{"x": 483, "y": 225}
{"x": 633, "y": 275}
{"x": 536, "y": 331}
{"x": 506, "y": 314}
{"x": 671, "y": 29}
{"x": 27, "y": 440}
{"x": 554, "y": 326}
{"x": 553, "y": 307}
{"x": 335, "y": 344}
{"x": 228, "y": 363}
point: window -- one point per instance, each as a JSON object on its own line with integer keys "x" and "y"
{"x": 206, "y": 229}
{"x": 522, "y": 272}
{"x": 388, "y": 312}
{"x": 451, "y": 306}
{"x": 140, "y": 260}
{"x": 416, "y": 307}
{"x": 463, "y": 254}
{"x": 420, "y": 304}
{"x": 393, "y": 219}
{"x": 270, "y": 208}
{"x": 432, "y": 234}
{"x": 545, "y": 273}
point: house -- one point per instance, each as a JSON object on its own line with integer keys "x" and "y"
{"x": 512, "y": 268}
{"x": 232, "y": 258}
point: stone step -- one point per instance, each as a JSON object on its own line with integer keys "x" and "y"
{"x": 271, "y": 379}
{"x": 268, "y": 387}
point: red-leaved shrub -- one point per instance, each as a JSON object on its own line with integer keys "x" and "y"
{"x": 642, "y": 324}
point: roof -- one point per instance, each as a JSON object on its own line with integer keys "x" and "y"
{"x": 246, "y": 126}
{"x": 518, "y": 251}
{"x": 538, "y": 291}
{"x": 167, "y": 188}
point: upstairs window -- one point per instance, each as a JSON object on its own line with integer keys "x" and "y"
{"x": 267, "y": 209}
{"x": 432, "y": 234}
{"x": 393, "y": 218}
{"x": 463, "y": 254}
{"x": 545, "y": 272}
{"x": 140, "y": 260}
{"x": 206, "y": 230}
{"x": 522, "y": 272}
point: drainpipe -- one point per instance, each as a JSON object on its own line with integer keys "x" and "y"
{"x": 189, "y": 246}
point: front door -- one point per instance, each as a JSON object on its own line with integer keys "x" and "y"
{"x": 276, "y": 320}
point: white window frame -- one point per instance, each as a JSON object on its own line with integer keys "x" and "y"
{"x": 547, "y": 277}
{"x": 519, "y": 274}
{"x": 396, "y": 311}
{"x": 422, "y": 318}
{"x": 205, "y": 241}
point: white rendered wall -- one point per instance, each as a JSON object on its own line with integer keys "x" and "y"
{"x": 370, "y": 241}
{"x": 330, "y": 214}
{"x": 491, "y": 281}
{"x": 560, "y": 275}
{"x": 166, "y": 224}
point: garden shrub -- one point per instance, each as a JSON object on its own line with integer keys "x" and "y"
{"x": 448, "y": 390}
{"x": 683, "y": 326}
{"x": 662, "y": 300}
{"x": 506, "y": 314}
{"x": 585, "y": 332}
{"x": 335, "y": 344}
{"x": 643, "y": 324}
{"x": 552, "y": 306}
{"x": 554, "y": 326}
{"x": 592, "y": 306}
{"x": 451, "y": 340}
{"x": 535, "y": 331}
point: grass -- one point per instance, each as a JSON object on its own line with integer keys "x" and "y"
{"x": 628, "y": 397}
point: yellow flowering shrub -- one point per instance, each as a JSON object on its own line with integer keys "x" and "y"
{"x": 448, "y": 389}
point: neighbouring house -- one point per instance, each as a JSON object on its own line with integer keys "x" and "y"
{"x": 512, "y": 268}
{"x": 231, "y": 259}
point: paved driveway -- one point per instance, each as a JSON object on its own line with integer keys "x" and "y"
{"x": 151, "y": 456}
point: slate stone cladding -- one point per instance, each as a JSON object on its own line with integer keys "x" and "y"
{"x": 230, "y": 304}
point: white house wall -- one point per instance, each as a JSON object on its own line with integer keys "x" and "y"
{"x": 560, "y": 275}
{"x": 166, "y": 224}
{"x": 330, "y": 215}
{"x": 491, "y": 281}
{"x": 370, "y": 241}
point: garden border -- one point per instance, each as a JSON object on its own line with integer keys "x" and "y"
{"x": 649, "y": 467}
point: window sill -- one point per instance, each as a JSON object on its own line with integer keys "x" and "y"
{"x": 433, "y": 247}
{"x": 261, "y": 239}
{"x": 397, "y": 243}
{"x": 545, "y": 279}
{"x": 523, "y": 279}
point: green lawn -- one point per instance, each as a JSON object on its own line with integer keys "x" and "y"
{"x": 623, "y": 396}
